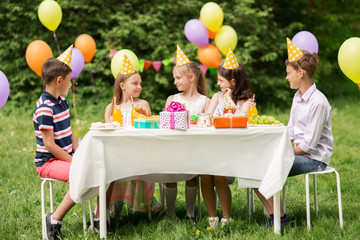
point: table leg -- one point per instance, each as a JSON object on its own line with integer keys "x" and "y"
{"x": 102, "y": 197}
{"x": 277, "y": 224}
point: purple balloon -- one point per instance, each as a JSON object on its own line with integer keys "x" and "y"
{"x": 4, "y": 89}
{"x": 306, "y": 41}
{"x": 196, "y": 32}
{"x": 77, "y": 62}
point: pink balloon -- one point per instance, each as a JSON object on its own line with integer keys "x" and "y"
{"x": 4, "y": 89}
{"x": 306, "y": 41}
{"x": 77, "y": 62}
{"x": 196, "y": 32}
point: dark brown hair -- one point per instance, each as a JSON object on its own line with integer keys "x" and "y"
{"x": 191, "y": 67}
{"x": 242, "y": 84}
{"x": 308, "y": 62}
{"x": 52, "y": 68}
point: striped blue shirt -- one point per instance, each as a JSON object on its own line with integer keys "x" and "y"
{"x": 52, "y": 114}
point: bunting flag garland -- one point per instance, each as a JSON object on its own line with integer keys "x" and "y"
{"x": 144, "y": 65}
{"x": 203, "y": 68}
{"x": 156, "y": 65}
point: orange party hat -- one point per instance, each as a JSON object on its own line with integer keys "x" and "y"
{"x": 230, "y": 60}
{"x": 181, "y": 58}
{"x": 127, "y": 67}
{"x": 294, "y": 53}
{"x": 65, "y": 57}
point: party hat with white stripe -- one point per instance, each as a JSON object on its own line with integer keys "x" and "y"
{"x": 181, "y": 58}
{"x": 230, "y": 60}
{"x": 65, "y": 57}
{"x": 127, "y": 67}
{"x": 294, "y": 53}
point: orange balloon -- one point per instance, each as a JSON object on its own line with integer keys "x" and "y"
{"x": 36, "y": 54}
{"x": 209, "y": 56}
{"x": 211, "y": 34}
{"x": 87, "y": 46}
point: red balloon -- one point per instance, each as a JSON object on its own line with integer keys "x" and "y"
{"x": 36, "y": 54}
{"x": 211, "y": 34}
{"x": 209, "y": 56}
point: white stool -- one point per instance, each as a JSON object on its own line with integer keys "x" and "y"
{"x": 43, "y": 213}
{"x": 327, "y": 170}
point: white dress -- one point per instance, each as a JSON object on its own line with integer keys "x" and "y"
{"x": 195, "y": 106}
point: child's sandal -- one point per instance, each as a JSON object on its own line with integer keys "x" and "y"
{"x": 213, "y": 222}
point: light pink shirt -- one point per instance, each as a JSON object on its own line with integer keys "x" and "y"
{"x": 309, "y": 125}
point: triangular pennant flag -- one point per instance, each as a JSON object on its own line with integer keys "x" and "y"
{"x": 173, "y": 59}
{"x": 230, "y": 60}
{"x": 181, "y": 58}
{"x": 127, "y": 67}
{"x": 294, "y": 53}
{"x": 166, "y": 62}
{"x": 203, "y": 68}
{"x": 141, "y": 65}
{"x": 112, "y": 53}
{"x": 156, "y": 65}
{"x": 65, "y": 57}
{"x": 147, "y": 64}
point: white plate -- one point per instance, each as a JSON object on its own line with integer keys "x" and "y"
{"x": 266, "y": 125}
{"x": 105, "y": 129}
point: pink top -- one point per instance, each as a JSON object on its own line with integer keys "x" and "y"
{"x": 309, "y": 125}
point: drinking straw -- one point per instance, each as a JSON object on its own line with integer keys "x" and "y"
{"x": 132, "y": 101}
{"x": 253, "y": 98}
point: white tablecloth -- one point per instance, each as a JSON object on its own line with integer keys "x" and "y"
{"x": 259, "y": 156}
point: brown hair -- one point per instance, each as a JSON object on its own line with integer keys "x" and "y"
{"x": 308, "y": 62}
{"x": 117, "y": 90}
{"x": 191, "y": 67}
{"x": 242, "y": 84}
{"x": 52, "y": 68}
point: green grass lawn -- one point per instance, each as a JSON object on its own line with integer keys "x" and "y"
{"x": 20, "y": 206}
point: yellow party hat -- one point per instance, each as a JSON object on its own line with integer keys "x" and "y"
{"x": 181, "y": 58}
{"x": 127, "y": 67}
{"x": 65, "y": 57}
{"x": 294, "y": 53}
{"x": 230, "y": 60}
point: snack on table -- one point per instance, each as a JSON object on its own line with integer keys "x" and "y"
{"x": 264, "y": 120}
{"x": 204, "y": 120}
{"x": 105, "y": 125}
{"x": 194, "y": 119}
{"x": 227, "y": 110}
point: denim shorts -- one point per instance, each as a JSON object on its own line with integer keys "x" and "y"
{"x": 303, "y": 164}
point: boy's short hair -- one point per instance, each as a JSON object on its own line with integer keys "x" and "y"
{"x": 53, "y": 68}
{"x": 308, "y": 62}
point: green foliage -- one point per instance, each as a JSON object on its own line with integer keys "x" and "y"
{"x": 152, "y": 29}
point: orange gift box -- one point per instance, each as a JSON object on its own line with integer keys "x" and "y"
{"x": 230, "y": 122}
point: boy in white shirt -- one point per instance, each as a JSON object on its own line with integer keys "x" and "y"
{"x": 309, "y": 125}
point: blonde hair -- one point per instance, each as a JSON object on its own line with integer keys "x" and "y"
{"x": 117, "y": 90}
{"x": 308, "y": 62}
{"x": 191, "y": 67}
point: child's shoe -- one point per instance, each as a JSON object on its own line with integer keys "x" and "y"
{"x": 213, "y": 222}
{"x": 225, "y": 221}
{"x": 53, "y": 231}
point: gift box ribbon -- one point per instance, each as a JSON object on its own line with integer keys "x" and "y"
{"x": 172, "y": 108}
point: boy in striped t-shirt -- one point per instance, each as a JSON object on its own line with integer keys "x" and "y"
{"x": 54, "y": 137}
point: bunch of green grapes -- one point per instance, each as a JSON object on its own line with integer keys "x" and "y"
{"x": 264, "y": 119}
